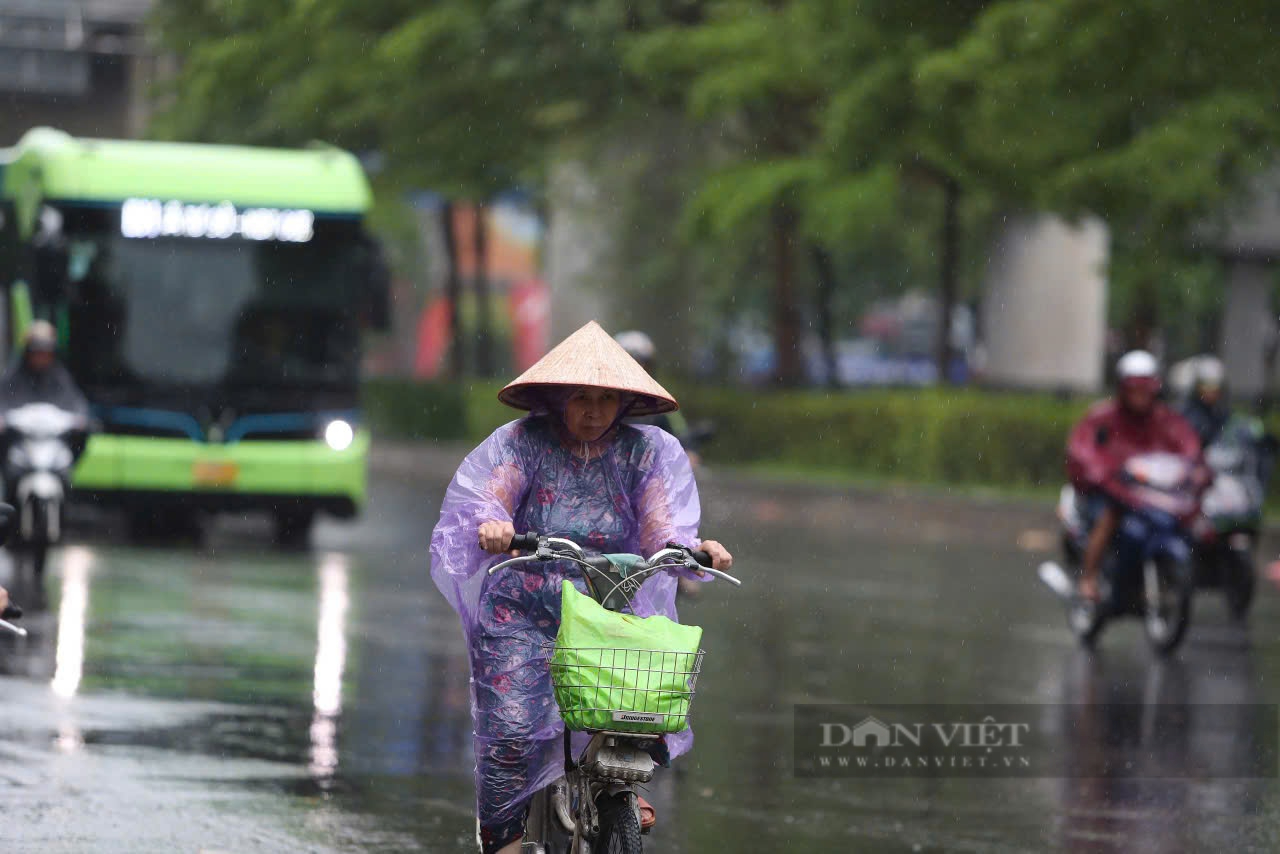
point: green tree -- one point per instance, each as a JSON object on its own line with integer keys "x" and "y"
{"x": 1152, "y": 114}
{"x": 747, "y": 66}
{"x": 833, "y": 125}
{"x": 831, "y": 128}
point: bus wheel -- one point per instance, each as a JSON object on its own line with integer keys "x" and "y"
{"x": 293, "y": 525}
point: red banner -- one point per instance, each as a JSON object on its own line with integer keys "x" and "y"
{"x": 529, "y": 304}
{"x": 433, "y": 339}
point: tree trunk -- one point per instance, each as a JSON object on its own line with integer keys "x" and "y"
{"x": 786, "y": 331}
{"x": 484, "y": 335}
{"x": 452, "y": 292}
{"x": 1145, "y": 320}
{"x": 826, "y": 294}
{"x": 949, "y": 273}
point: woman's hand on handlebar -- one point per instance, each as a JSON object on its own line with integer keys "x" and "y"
{"x": 495, "y": 537}
{"x": 720, "y": 557}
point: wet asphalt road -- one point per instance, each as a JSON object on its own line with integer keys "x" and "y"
{"x": 234, "y": 697}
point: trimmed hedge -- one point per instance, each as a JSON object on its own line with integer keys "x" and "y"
{"x": 409, "y": 409}
{"x": 405, "y": 409}
{"x": 931, "y": 436}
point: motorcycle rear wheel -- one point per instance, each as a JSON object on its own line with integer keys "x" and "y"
{"x": 33, "y": 553}
{"x": 33, "y": 557}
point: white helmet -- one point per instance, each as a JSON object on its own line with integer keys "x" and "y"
{"x": 1137, "y": 364}
{"x": 638, "y": 345}
{"x": 41, "y": 337}
{"x": 1209, "y": 372}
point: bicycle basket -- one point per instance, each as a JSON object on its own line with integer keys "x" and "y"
{"x": 620, "y": 672}
{"x": 624, "y": 690}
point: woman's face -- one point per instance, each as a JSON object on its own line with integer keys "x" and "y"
{"x": 590, "y": 412}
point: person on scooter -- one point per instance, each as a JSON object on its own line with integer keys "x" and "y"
{"x": 572, "y": 468}
{"x": 1134, "y": 422}
{"x": 1207, "y": 409}
{"x": 37, "y": 376}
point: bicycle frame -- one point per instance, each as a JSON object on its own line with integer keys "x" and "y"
{"x": 613, "y": 762}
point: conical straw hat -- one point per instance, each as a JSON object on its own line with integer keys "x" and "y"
{"x": 589, "y": 357}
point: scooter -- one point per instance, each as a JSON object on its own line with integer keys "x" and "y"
{"x": 1230, "y": 522}
{"x": 1149, "y": 569}
{"x": 41, "y": 439}
{"x": 593, "y": 807}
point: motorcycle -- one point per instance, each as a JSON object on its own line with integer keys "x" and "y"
{"x": 593, "y": 807}
{"x": 40, "y": 441}
{"x": 1230, "y": 522}
{"x": 1149, "y": 570}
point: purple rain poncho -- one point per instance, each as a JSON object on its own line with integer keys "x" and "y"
{"x": 633, "y": 492}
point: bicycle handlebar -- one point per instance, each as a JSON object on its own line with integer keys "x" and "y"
{"x": 699, "y": 560}
{"x": 524, "y": 542}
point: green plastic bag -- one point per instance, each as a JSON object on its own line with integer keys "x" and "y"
{"x": 620, "y": 672}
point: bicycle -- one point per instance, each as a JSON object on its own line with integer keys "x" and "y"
{"x": 593, "y": 808}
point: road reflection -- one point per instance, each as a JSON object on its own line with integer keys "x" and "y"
{"x": 331, "y": 659}
{"x": 77, "y": 562}
{"x": 1162, "y": 750}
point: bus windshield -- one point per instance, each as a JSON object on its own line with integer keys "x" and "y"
{"x": 179, "y": 311}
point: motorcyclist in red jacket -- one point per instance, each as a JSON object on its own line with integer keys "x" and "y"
{"x": 1133, "y": 422}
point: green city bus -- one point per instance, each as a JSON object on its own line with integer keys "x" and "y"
{"x": 209, "y": 301}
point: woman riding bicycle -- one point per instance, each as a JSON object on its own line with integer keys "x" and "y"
{"x": 570, "y": 469}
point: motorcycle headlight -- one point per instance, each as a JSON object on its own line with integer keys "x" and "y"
{"x": 61, "y": 457}
{"x": 339, "y": 435}
{"x": 19, "y": 456}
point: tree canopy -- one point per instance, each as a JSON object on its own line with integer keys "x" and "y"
{"x": 1141, "y": 112}
{"x": 832, "y": 120}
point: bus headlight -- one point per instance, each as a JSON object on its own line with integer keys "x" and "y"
{"x": 339, "y": 435}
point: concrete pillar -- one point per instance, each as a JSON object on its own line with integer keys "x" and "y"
{"x": 1044, "y": 313}
{"x": 1248, "y": 323}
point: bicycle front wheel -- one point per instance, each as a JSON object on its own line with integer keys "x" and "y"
{"x": 619, "y": 825}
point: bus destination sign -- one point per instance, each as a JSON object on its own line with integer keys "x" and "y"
{"x": 148, "y": 218}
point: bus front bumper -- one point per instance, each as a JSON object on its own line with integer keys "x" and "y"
{"x": 244, "y": 475}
